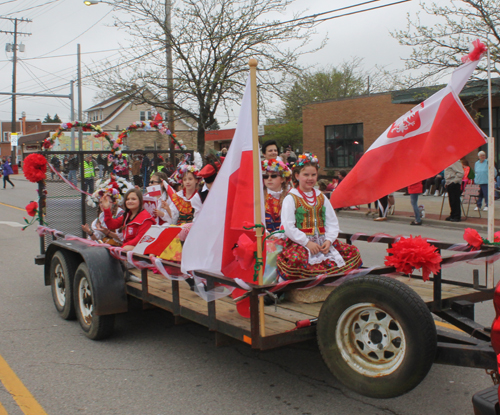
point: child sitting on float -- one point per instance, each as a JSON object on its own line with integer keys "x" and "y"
{"x": 166, "y": 213}
{"x": 311, "y": 228}
{"x": 135, "y": 221}
{"x": 276, "y": 176}
{"x": 115, "y": 187}
{"x": 188, "y": 203}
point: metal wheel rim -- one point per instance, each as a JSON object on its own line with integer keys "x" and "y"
{"x": 371, "y": 341}
{"x": 85, "y": 301}
{"x": 60, "y": 285}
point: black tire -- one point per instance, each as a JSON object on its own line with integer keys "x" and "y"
{"x": 95, "y": 327}
{"x": 377, "y": 336}
{"x": 62, "y": 273}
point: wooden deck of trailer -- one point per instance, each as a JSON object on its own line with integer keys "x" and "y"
{"x": 279, "y": 319}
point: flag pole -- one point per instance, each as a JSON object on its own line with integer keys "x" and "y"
{"x": 256, "y": 181}
{"x": 491, "y": 177}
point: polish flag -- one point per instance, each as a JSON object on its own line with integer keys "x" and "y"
{"x": 420, "y": 144}
{"x": 154, "y": 190}
{"x": 228, "y": 206}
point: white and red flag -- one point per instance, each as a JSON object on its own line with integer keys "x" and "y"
{"x": 229, "y": 206}
{"x": 420, "y": 144}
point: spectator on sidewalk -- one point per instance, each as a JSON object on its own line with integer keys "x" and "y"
{"x": 435, "y": 181}
{"x": 453, "y": 176}
{"x": 7, "y": 171}
{"x": 383, "y": 208}
{"x": 88, "y": 174}
{"x": 145, "y": 167}
{"x": 56, "y": 163}
{"x": 414, "y": 190}
{"x": 481, "y": 178}
{"x": 72, "y": 168}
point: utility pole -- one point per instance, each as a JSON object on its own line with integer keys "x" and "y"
{"x": 14, "y": 47}
{"x": 79, "y": 86}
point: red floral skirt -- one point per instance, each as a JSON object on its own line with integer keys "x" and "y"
{"x": 293, "y": 261}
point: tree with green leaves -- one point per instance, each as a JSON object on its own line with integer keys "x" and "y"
{"x": 49, "y": 119}
{"x": 437, "y": 47}
{"x": 285, "y": 134}
{"x": 212, "y": 42}
{"x": 331, "y": 83}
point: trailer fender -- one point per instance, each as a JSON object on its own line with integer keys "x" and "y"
{"x": 106, "y": 273}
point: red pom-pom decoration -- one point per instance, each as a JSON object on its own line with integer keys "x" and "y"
{"x": 478, "y": 49}
{"x": 31, "y": 208}
{"x": 244, "y": 251}
{"x": 35, "y": 167}
{"x": 411, "y": 253}
{"x": 473, "y": 238}
{"x": 497, "y": 237}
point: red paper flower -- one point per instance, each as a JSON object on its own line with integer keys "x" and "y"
{"x": 411, "y": 253}
{"x": 31, "y": 208}
{"x": 35, "y": 167}
{"x": 497, "y": 237}
{"x": 473, "y": 238}
{"x": 244, "y": 251}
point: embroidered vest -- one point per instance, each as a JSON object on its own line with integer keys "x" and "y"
{"x": 186, "y": 211}
{"x": 273, "y": 213}
{"x": 308, "y": 218}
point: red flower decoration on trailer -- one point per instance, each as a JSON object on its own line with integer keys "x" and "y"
{"x": 411, "y": 253}
{"x": 32, "y": 208}
{"x": 473, "y": 238}
{"x": 35, "y": 167}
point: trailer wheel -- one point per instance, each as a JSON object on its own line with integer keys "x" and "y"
{"x": 62, "y": 271}
{"x": 95, "y": 327}
{"x": 377, "y": 336}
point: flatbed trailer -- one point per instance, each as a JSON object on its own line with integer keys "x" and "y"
{"x": 375, "y": 332}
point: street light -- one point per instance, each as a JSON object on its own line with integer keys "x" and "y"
{"x": 91, "y": 2}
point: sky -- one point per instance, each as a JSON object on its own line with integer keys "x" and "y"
{"x": 49, "y": 61}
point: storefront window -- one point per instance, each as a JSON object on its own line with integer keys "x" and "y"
{"x": 343, "y": 145}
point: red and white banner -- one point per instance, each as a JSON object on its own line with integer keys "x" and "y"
{"x": 156, "y": 240}
{"x": 420, "y": 144}
{"x": 229, "y": 204}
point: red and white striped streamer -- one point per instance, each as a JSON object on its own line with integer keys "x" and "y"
{"x": 67, "y": 181}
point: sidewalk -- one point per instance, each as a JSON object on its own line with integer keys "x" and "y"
{"x": 432, "y": 205}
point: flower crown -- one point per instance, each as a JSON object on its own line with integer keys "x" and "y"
{"x": 276, "y": 167}
{"x": 183, "y": 170}
{"x": 115, "y": 186}
{"x": 306, "y": 158}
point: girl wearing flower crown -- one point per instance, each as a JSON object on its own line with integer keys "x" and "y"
{"x": 311, "y": 228}
{"x": 188, "y": 203}
{"x": 276, "y": 175}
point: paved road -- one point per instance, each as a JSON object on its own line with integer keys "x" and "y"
{"x": 151, "y": 366}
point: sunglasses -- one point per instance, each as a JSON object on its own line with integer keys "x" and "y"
{"x": 154, "y": 181}
{"x": 272, "y": 176}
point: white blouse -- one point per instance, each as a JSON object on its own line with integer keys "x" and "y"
{"x": 299, "y": 237}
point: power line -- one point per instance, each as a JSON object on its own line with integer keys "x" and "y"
{"x": 31, "y": 8}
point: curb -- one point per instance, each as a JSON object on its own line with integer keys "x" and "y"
{"x": 407, "y": 219}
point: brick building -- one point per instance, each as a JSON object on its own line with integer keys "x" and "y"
{"x": 340, "y": 131}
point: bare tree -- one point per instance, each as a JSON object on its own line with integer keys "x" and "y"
{"x": 212, "y": 42}
{"x": 438, "y": 46}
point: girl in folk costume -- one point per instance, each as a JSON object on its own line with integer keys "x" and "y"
{"x": 276, "y": 176}
{"x": 166, "y": 212}
{"x": 311, "y": 228}
{"x": 135, "y": 222}
{"x": 115, "y": 187}
{"x": 188, "y": 203}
